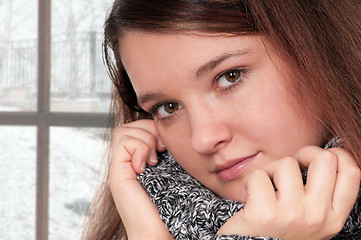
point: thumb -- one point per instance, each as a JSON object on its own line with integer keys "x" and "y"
{"x": 236, "y": 225}
{"x": 138, "y": 213}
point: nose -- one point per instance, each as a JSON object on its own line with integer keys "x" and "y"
{"x": 210, "y": 129}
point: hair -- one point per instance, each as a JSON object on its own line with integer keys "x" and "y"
{"x": 319, "y": 40}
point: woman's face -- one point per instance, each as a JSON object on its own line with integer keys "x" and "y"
{"x": 221, "y": 104}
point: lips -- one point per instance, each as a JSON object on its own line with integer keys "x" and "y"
{"x": 233, "y": 168}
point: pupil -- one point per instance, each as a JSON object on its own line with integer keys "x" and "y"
{"x": 170, "y": 107}
{"x": 233, "y": 76}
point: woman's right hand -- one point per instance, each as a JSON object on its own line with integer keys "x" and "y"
{"x": 133, "y": 146}
{"x": 317, "y": 210}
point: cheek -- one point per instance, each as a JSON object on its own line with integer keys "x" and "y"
{"x": 263, "y": 112}
{"x": 274, "y": 121}
{"x": 177, "y": 140}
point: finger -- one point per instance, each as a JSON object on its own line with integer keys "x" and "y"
{"x": 321, "y": 174}
{"x": 145, "y": 136}
{"x": 137, "y": 211}
{"x": 128, "y": 156}
{"x": 260, "y": 190}
{"x": 139, "y": 133}
{"x": 287, "y": 178}
{"x": 151, "y": 127}
{"x": 127, "y": 191}
{"x": 132, "y": 150}
{"x": 261, "y": 205}
{"x": 152, "y": 160}
{"x": 121, "y": 169}
{"x": 160, "y": 145}
{"x": 347, "y": 184}
{"x": 236, "y": 225}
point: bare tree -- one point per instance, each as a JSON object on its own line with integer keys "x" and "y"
{"x": 78, "y": 20}
{"x": 5, "y": 8}
{"x": 16, "y": 20}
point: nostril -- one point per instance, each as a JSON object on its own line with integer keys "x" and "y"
{"x": 206, "y": 142}
{"x": 219, "y": 144}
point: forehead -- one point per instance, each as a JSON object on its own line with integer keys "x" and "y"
{"x": 140, "y": 44}
{"x": 177, "y": 54}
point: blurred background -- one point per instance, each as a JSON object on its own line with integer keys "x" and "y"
{"x": 51, "y": 157}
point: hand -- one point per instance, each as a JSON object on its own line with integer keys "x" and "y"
{"x": 317, "y": 210}
{"x": 133, "y": 146}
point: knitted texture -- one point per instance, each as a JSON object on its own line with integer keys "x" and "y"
{"x": 191, "y": 211}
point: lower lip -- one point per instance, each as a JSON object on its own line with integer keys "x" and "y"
{"x": 234, "y": 171}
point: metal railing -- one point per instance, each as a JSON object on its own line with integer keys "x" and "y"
{"x": 40, "y": 78}
{"x": 77, "y": 66}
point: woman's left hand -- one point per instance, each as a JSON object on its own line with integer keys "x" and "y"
{"x": 317, "y": 210}
{"x": 133, "y": 146}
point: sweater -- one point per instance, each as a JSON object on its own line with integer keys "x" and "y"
{"x": 191, "y": 211}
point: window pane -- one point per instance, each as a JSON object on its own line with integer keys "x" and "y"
{"x": 18, "y": 182}
{"x": 75, "y": 172}
{"x": 79, "y": 79}
{"x": 18, "y": 55}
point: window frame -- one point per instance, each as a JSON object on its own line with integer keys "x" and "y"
{"x": 43, "y": 119}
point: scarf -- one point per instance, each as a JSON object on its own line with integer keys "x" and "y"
{"x": 191, "y": 211}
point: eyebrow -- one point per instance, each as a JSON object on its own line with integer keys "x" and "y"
{"x": 201, "y": 71}
{"x": 150, "y": 97}
{"x": 213, "y": 63}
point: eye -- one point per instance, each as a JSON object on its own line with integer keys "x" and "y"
{"x": 229, "y": 78}
{"x": 166, "y": 110}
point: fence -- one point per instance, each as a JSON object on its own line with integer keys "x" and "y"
{"x": 77, "y": 66}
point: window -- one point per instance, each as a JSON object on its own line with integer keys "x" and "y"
{"x": 54, "y": 99}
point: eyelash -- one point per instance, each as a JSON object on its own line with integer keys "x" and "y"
{"x": 242, "y": 72}
{"x": 154, "y": 111}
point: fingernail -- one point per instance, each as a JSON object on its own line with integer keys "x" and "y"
{"x": 153, "y": 156}
{"x": 160, "y": 143}
{"x": 142, "y": 167}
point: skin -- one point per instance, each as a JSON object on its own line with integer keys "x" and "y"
{"x": 215, "y": 124}
{"x": 206, "y": 120}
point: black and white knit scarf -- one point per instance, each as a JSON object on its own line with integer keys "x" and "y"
{"x": 191, "y": 211}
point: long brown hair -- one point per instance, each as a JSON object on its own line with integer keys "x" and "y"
{"x": 319, "y": 39}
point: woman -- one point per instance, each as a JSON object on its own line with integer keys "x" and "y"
{"x": 241, "y": 92}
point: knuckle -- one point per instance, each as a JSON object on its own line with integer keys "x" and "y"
{"x": 338, "y": 151}
{"x": 118, "y": 134}
{"x": 122, "y": 140}
{"x": 289, "y": 162}
{"x": 258, "y": 174}
{"x": 328, "y": 156}
{"x": 150, "y": 139}
{"x": 316, "y": 221}
{"x": 354, "y": 173}
{"x": 122, "y": 135}
{"x": 141, "y": 146}
{"x": 117, "y": 131}
{"x": 306, "y": 149}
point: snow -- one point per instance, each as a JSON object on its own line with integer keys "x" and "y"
{"x": 75, "y": 172}
{"x": 76, "y": 154}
